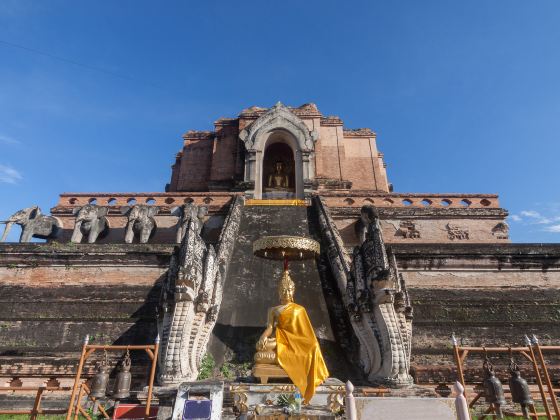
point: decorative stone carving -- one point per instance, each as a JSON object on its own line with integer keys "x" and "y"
{"x": 375, "y": 295}
{"x": 90, "y": 222}
{"x": 186, "y": 213}
{"x": 279, "y": 113}
{"x": 33, "y": 224}
{"x": 192, "y": 295}
{"x": 281, "y": 121}
{"x": 456, "y": 232}
{"x": 501, "y": 231}
{"x": 140, "y": 223}
{"x": 366, "y": 132}
{"x": 407, "y": 230}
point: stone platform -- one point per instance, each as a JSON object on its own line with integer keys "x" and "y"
{"x": 328, "y": 397}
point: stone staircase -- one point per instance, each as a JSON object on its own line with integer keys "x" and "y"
{"x": 250, "y": 288}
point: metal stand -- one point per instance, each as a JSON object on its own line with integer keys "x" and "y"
{"x": 533, "y": 353}
{"x": 36, "y": 410}
{"x": 74, "y": 408}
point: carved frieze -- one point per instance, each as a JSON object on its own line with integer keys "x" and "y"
{"x": 407, "y": 229}
{"x": 501, "y": 231}
{"x": 456, "y": 232}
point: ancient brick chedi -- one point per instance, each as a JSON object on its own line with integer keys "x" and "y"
{"x": 398, "y": 272}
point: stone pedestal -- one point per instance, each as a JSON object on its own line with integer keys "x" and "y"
{"x": 246, "y": 397}
{"x": 306, "y": 413}
{"x": 368, "y": 408}
{"x": 278, "y": 195}
{"x": 264, "y": 371}
{"x": 211, "y": 390}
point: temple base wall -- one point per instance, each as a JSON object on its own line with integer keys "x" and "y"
{"x": 52, "y": 295}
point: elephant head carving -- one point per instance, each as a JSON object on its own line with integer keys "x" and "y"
{"x": 186, "y": 213}
{"x": 141, "y": 222}
{"x": 90, "y": 222}
{"x": 33, "y": 224}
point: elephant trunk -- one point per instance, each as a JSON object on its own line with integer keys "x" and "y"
{"x": 6, "y": 231}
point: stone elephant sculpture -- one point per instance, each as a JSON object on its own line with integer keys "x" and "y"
{"x": 140, "y": 223}
{"x": 186, "y": 213}
{"x": 90, "y": 222}
{"x": 33, "y": 224}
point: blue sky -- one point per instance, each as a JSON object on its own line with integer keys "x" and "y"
{"x": 464, "y": 96}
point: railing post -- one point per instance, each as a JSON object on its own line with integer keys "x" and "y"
{"x": 77, "y": 379}
{"x": 461, "y": 402}
{"x": 37, "y": 403}
{"x": 351, "y": 413}
{"x": 458, "y": 360}
{"x": 152, "y": 376}
{"x": 538, "y": 377}
{"x": 535, "y": 343}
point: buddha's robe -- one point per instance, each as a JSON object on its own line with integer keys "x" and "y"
{"x": 298, "y": 350}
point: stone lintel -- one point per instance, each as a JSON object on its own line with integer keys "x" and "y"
{"x": 478, "y": 257}
{"x": 53, "y": 254}
{"x": 214, "y": 200}
{"x": 331, "y": 121}
{"x": 527, "y": 250}
{"x": 198, "y": 135}
{"x": 359, "y": 132}
{"x": 423, "y": 213}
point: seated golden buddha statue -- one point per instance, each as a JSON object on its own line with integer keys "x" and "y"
{"x": 278, "y": 179}
{"x": 288, "y": 346}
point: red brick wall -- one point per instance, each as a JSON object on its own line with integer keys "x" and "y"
{"x": 225, "y": 154}
{"x": 196, "y": 164}
{"x": 358, "y": 165}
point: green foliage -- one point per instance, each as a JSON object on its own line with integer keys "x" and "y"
{"x": 289, "y": 403}
{"x": 206, "y": 367}
{"x": 284, "y": 400}
{"x": 228, "y": 370}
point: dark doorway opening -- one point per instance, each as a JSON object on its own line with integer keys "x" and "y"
{"x": 279, "y": 179}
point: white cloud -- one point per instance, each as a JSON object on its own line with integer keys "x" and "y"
{"x": 530, "y": 213}
{"x": 543, "y": 221}
{"x": 549, "y": 221}
{"x": 8, "y": 140}
{"x": 9, "y": 175}
{"x": 553, "y": 228}
{"x": 536, "y": 217}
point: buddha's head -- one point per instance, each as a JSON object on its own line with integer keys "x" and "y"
{"x": 286, "y": 288}
{"x": 279, "y": 166}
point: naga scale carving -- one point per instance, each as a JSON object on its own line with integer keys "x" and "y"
{"x": 192, "y": 294}
{"x": 374, "y": 295}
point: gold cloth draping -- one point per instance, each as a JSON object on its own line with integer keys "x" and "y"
{"x": 298, "y": 350}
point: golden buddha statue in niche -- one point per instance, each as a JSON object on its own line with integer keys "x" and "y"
{"x": 278, "y": 179}
{"x": 288, "y": 346}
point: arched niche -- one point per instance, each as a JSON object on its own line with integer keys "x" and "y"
{"x": 281, "y": 173}
{"x": 278, "y": 126}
